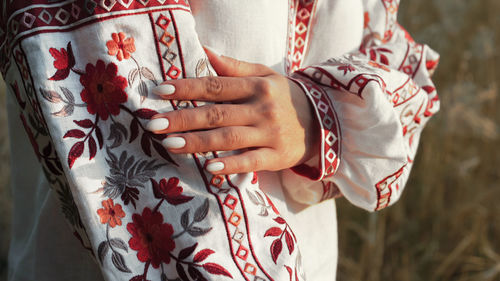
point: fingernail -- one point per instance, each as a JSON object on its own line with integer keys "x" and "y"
{"x": 164, "y": 89}
{"x": 174, "y": 142}
{"x": 158, "y": 124}
{"x": 215, "y": 167}
{"x": 212, "y": 50}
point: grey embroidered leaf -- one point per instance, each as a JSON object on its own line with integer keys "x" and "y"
{"x": 68, "y": 94}
{"x": 252, "y": 197}
{"x": 102, "y": 250}
{"x": 51, "y": 96}
{"x": 132, "y": 75}
{"x": 118, "y": 243}
{"x": 119, "y": 262}
{"x": 143, "y": 90}
{"x": 198, "y": 231}
{"x": 148, "y": 74}
{"x": 202, "y": 211}
{"x": 67, "y": 110}
{"x": 185, "y": 219}
{"x": 117, "y": 134}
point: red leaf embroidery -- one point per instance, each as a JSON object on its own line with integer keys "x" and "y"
{"x": 75, "y": 133}
{"x": 186, "y": 252}
{"x": 280, "y": 220}
{"x": 86, "y": 123}
{"x": 202, "y": 255}
{"x": 134, "y": 130}
{"x": 429, "y": 89}
{"x": 92, "y": 148}
{"x": 276, "y": 248}
{"x": 273, "y": 231}
{"x": 163, "y": 153}
{"x": 384, "y": 60}
{"x": 75, "y": 152}
{"x": 290, "y": 272}
{"x": 289, "y": 242}
{"x": 145, "y": 113}
{"x": 146, "y": 144}
{"x": 214, "y": 268}
{"x": 98, "y": 134}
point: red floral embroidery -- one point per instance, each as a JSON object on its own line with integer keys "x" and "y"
{"x": 64, "y": 61}
{"x": 170, "y": 191}
{"x": 111, "y": 214}
{"x": 103, "y": 90}
{"x": 120, "y": 46}
{"x": 151, "y": 238}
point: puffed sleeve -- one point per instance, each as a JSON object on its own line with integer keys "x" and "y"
{"x": 372, "y": 106}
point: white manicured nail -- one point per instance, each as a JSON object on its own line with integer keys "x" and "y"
{"x": 215, "y": 167}
{"x": 158, "y": 124}
{"x": 174, "y": 142}
{"x": 212, "y": 50}
{"x": 163, "y": 89}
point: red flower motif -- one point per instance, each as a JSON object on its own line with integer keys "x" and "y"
{"x": 120, "y": 46}
{"x": 111, "y": 213}
{"x": 151, "y": 238}
{"x": 170, "y": 191}
{"x": 64, "y": 61}
{"x": 103, "y": 89}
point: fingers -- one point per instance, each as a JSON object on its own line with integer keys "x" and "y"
{"x": 204, "y": 117}
{"x": 216, "y": 89}
{"x": 221, "y": 139}
{"x": 246, "y": 162}
{"x": 227, "y": 66}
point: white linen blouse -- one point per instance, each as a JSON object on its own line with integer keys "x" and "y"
{"x": 143, "y": 214}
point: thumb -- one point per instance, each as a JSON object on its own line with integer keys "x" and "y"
{"x": 227, "y": 66}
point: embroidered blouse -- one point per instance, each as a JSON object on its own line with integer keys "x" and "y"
{"x": 78, "y": 74}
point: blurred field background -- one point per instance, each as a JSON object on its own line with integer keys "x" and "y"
{"x": 447, "y": 225}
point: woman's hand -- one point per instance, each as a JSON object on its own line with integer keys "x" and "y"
{"x": 263, "y": 113}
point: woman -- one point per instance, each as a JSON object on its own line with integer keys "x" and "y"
{"x": 335, "y": 105}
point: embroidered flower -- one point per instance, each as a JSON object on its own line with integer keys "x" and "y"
{"x": 103, "y": 89}
{"x": 64, "y": 61}
{"x": 111, "y": 214}
{"x": 170, "y": 191}
{"x": 120, "y": 46}
{"x": 151, "y": 238}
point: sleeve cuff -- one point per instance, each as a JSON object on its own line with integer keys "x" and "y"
{"x": 330, "y": 149}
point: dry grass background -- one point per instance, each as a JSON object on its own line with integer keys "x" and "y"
{"x": 447, "y": 225}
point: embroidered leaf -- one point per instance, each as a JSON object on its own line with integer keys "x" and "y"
{"x": 163, "y": 153}
{"x": 276, "y": 248}
{"x": 60, "y": 74}
{"x": 118, "y": 243}
{"x": 51, "y": 96}
{"x": 261, "y": 198}
{"x": 47, "y": 150}
{"x": 145, "y": 113}
{"x": 75, "y": 152}
{"x": 117, "y": 132}
{"x": 68, "y": 94}
{"x": 429, "y": 89}
{"x": 181, "y": 272}
{"x": 67, "y": 110}
{"x": 98, "y": 134}
{"x": 198, "y": 231}
{"x": 92, "y": 148}
{"x": 202, "y": 211}
{"x": 86, "y": 123}
{"x": 119, "y": 262}
{"x": 384, "y": 60}
{"x": 273, "y": 231}
{"x": 263, "y": 212}
{"x": 132, "y": 75}
{"x": 71, "y": 56}
{"x": 202, "y": 255}
{"x": 52, "y": 168}
{"x": 134, "y": 130}
{"x": 253, "y": 198}
{"x": 75, "y": 133}
{"x": 143, "y": 90}
{"x": 146, "y": 144}
{"x": 185, "y": 219}
{"x": 138, "y": 278}
{"x": 148, "y": 74}
{"x": 290, "y": 272}
{"x": 280, "y": 220}
{"x": 195, "y": 273}
{"x": 186, "y": 252}
{"x": 214, "y": 268}
{"x": 289, "y": 242}
{"x": 102, "y": 250}
{"x": 130, "y": 195}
